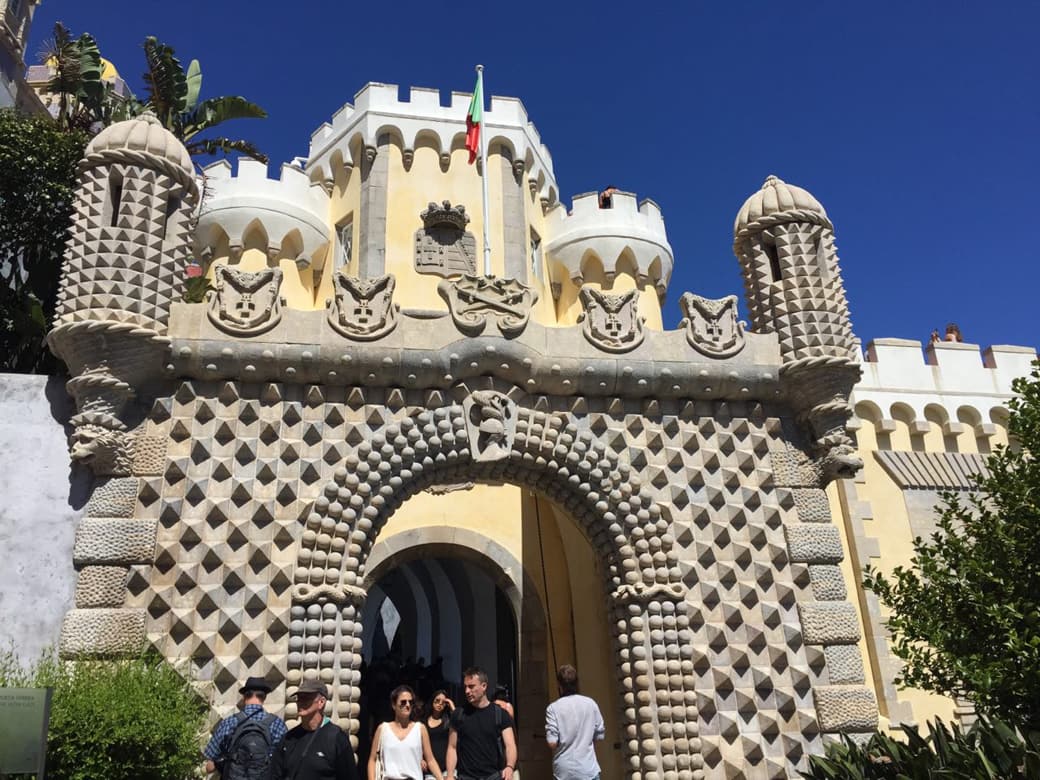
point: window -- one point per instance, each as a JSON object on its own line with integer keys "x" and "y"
{"x": 345, "y": 239}
{"x": 774, "y": 259}
{"x": 536, "y": 256}
{"x": 115, "y": 196}
{"x": 173, "y": 204}
{"x": 14, "y": 8}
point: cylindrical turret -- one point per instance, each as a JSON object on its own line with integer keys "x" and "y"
{"x": 131, "y": 231}
{"x": 785, "y": 244}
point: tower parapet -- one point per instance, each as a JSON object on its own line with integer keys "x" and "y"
{"x": 377, "y": 110}
{"x": 292, "y": 211}
{"x": 626, "y": 233}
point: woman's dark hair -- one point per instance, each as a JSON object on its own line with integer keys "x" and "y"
{"x": 501, "y": 693}
{"x": 395, "y": 694}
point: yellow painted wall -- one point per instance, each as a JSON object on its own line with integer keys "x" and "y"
{"x": 889, "y": 526}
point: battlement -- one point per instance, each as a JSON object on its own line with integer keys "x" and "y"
{"x": 289, "y": 208}
{"x": 630, "y": 231}
{"x": 947, "y": 374}
{"x": 377, "y": 110}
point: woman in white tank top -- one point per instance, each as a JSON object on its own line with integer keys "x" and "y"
{"x": 401, "y": 745}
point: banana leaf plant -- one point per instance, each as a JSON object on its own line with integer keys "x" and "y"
{"x": 173, "y": 97}
{"x": 83, "y": 98}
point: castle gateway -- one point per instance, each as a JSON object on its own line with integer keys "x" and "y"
{"x": 361, "y": 446}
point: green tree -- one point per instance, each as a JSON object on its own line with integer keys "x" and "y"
{"x": 173, "y": 96}
{"x": 123, "y": 719}
{"x": 37, "y": 182}
{"x": 965, "y": 614}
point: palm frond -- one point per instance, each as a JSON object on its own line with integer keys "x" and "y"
{"x": 165, "y": 82}
{"x": 213, "y": 111}
{"x": 224, "y": 146}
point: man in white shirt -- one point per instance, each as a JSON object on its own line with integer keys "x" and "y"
{"x": 572, "y": 724}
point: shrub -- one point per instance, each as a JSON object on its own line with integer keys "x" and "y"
{"x": 989, "y": 750}
{"x": 129, "y": 719}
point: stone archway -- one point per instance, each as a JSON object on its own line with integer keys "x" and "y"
{"x": 488, "y": 437}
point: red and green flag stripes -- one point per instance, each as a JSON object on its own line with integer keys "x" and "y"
{"x": 474, "y": 121}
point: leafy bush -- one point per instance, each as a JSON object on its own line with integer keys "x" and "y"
{"x": 132, "y": 719}
{"x": 989, "y": 750}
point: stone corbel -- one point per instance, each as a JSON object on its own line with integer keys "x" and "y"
{"x": 370, "y": 153}
{"x": 407, "y": 156}
{"x": 518, "y": 171}
{"x": 819, "y": 388}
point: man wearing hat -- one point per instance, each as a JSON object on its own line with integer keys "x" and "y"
{"x": 317, "y": 749}
{"x": 238, "y": 729}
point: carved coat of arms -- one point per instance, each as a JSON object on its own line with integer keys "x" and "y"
{"x": 611, "y": 322}
{"x": 473, "y": 300}
{"x": 244, "y": 303}
{"x": 363, "y": 309}
{"x": 443, "y": 246}
{"x": 491, "y": 424}
{"x": 711, "y": 325}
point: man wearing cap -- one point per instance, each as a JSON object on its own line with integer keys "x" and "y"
{"x": 253, "y": 694}
{"x": 317, "y": 749}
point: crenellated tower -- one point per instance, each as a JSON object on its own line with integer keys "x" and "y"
{"x": 785, "y": 244}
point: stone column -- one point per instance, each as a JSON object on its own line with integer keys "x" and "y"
{"x": 375, "y": 169}
{"x": 514, "y": 233}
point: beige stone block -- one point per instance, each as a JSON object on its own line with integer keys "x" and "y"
{"x": 102, "y": 632}
{"x": 101, "y": 586}
{"x": 813, "y": 543}
{"x": 108, "y": 541}
{"x": 844, "y": 664}
{"x": 846, "y": 708}
{"x": 829, "y": 623}
{"x": 149, "y": 456}
{"x": 113, "y": 497}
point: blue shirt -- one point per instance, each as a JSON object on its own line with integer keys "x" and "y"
{"x": 221, "y": 740}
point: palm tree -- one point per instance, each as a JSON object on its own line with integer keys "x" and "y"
{"x": 76, "y": 65}
{"x": 173, "y": 97}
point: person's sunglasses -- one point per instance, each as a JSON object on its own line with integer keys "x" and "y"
{"x": 405, "y": 703}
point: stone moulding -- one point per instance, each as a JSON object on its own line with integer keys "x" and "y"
{"x": 426, "y": 352}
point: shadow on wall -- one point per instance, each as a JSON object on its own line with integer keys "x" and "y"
{"x": 62, "y": 409}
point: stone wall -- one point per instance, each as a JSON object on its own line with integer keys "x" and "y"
{"x": 43, "y": 500}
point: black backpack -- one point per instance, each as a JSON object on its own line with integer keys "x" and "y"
{"x": 248, "y": 755}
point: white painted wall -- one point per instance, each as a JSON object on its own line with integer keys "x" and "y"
{"x": 42, "y": 500}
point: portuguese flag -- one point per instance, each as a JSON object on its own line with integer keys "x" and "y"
{"x": 474, "y": 121}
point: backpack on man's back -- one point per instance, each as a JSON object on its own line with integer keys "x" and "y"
{"x": 248, "y": 755}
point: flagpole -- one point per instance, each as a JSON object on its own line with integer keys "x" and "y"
{"x": 484, "y": 172}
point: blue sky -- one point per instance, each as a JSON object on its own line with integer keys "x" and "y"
{"x": 917, "y": 125}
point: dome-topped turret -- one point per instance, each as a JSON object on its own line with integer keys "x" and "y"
{"x": 142, "y": 134}
{"x": 777, "y": 196}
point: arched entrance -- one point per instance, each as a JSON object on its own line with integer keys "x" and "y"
{"x": 489, "y": 438}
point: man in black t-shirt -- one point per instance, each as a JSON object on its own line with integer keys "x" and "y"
{"x": 317, "y": 749}
{"x": 481, "y": 744}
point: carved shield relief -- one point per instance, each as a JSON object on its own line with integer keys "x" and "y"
{"x": 244, "y": 303}
{"x": 611, "y": 322}
{"x": 473, "y": 300}
{"x": 443, "y": 246}
{"x": 363, "y": 308}
{"x": 711, "y": 325}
